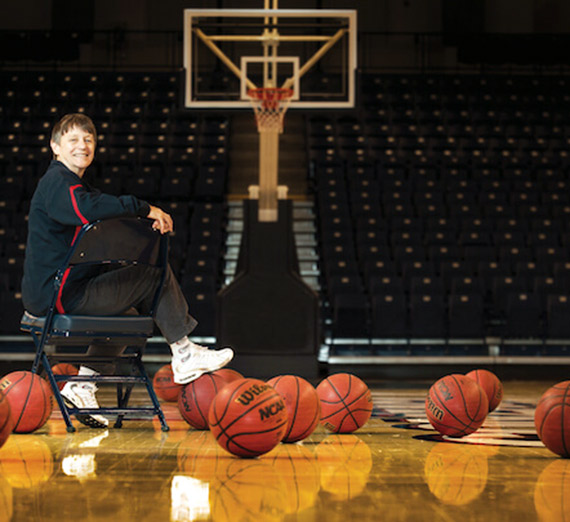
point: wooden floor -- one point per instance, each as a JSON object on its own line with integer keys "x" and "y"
{"x": 395, "y": 468}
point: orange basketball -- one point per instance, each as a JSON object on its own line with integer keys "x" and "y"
{"x": 456, "y": 405}
{"x": 164, "y": 385}
{"x": 30, "y": 400}
{"x": 491, "y": 385}
{"x": 248, "y": 417}
{"x": 302, "y": 403}
{"x": 195, "y": 398}
{"x": 228, "y": 374}
{"x": 63, "y": 369}
{"x": 346, "y": 403}
{"x": 552, "y": 419}
{"x": 6, "y": 422}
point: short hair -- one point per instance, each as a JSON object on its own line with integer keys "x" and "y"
{"x": 73, "y": 120}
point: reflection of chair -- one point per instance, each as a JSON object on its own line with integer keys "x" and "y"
{"x": 113, "y": 243}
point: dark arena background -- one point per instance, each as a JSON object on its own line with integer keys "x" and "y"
{"x": 425, "y": 232}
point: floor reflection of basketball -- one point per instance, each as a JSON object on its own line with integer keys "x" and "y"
{"x": 200, "y": 456}
{"x": 248, "y": 490}
{"x": 6, "y": 500}
{"x": 26, "y": 461}
{"x": 456, "y": 473}
{"x": 345, "y": 462}
{"x": 552, "y": 418}
{"x": 303, "y": 405}
{"x": 552, "y": 492}
{"x": 298, "y": 467}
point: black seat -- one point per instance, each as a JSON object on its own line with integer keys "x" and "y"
{"x": 115, "y": 242}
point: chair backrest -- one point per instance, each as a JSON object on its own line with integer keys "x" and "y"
{"x": 118, "y": 241}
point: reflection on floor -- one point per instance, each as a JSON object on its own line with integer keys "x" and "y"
{"x": 395, "y": 468}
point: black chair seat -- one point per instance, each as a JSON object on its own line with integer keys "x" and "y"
{"x": 65, "y": 324}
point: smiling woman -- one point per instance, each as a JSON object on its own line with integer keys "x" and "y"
{"x": 73, "y": 142}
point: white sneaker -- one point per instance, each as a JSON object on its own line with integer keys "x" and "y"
{"x": 82, "y": 395}
{"x": 193, "y": 360}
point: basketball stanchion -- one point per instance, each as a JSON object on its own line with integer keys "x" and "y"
{"x": 270, "y": 105}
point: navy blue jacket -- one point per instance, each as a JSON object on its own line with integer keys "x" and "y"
{"x": 61, "y": 204}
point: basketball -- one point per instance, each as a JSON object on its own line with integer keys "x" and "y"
{"x": 302, "y": 403}
{"x": 195, "y": 398}
{"x": 491, "y": 385}
{"x": 63, "y": 369}
{"x": 5, "y": 419}
{"x": 552, "y": 419}
{"x": 248, "y": 417}
{"x": 164, "y": 385}
{"x": 456, "y": 405}
{"x": 30, "y": 399}
{"x": 346, "y": 403}
{"x": 228, "y": 374}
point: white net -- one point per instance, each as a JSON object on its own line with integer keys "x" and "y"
{"x": 270, "y": 105}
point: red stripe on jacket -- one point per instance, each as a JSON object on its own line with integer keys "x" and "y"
{"x": 59, "y": 304}
{"x": 72, "y": 190}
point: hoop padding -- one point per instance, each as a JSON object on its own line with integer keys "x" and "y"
{"x": 270, "y": 105}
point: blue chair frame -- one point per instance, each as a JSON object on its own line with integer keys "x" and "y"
{"x": 114, "y": 242}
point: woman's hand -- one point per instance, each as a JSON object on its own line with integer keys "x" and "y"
{"x": 162, "y": 220}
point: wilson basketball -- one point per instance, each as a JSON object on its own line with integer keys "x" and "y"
{"x": 30, "y": 400}
{"x": 6, "y": 423}
{"x": 228, "y": 374}
{"x": 302, "y": 403}
{"x": 552, "y": 419}
{"x": 491, "y": 385}
{"x": 164, "y": 385}
{"x": 195, "y": 398}
{"x": 63, "y": 369}
{"x": 248, "y": 417}
{"x": 456, "y": 405}
{"x": 346, "y": 403}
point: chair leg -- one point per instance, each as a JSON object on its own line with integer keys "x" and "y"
{"x": 55, "y": 390}
{"x": 156, "y": 404}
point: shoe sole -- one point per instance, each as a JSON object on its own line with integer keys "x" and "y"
{"x": 198, "y": 373}
{"x": 86, "y": 420}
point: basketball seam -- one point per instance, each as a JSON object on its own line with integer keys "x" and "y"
{"x": 331, "y": 384}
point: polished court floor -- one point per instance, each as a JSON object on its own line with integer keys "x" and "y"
{"x": 394, "y": 468}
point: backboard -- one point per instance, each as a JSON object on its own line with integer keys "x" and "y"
{"x": 227, "y": 52}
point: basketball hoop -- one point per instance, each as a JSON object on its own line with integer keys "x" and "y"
{"x": 270, "y": 105}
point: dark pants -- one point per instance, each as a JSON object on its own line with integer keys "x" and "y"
{"x": 120, "y": 291}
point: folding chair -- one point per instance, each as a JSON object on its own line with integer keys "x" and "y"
{"x": 111, "y": 243}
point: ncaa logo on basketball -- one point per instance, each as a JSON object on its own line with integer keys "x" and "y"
{"x": 271, "y": 410}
